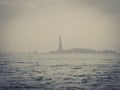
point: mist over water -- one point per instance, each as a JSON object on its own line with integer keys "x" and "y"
{"x": 88, "y": 28}
{"x": 60, "y": 72}
{"x": 36, "y": 25}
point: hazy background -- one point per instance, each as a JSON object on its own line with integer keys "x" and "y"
{"x": 27, "y": 25}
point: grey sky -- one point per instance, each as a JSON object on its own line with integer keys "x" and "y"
{"x": 27, "y": 25}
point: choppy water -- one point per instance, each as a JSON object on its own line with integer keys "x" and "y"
{"x": 60, "y": 72}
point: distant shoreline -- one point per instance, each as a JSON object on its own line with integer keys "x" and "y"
{"x": 68, "y": 51}
{"x": 83, "y": 50}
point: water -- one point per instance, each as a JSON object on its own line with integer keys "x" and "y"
{"x": 60, "y": 72}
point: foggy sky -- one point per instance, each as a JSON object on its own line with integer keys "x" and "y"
{"x": 27, "y": 25}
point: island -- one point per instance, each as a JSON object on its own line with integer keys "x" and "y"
{"x": 78, "y": 50}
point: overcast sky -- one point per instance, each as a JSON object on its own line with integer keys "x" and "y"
{"x": 28, "y": 25}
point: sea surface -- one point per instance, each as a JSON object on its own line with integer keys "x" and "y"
{"x": 60, "y": 72}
